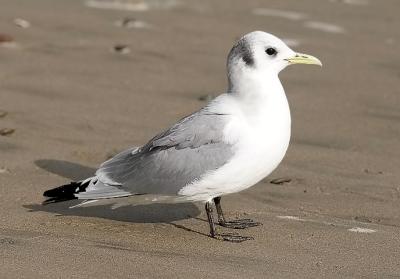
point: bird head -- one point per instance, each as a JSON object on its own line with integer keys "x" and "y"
{"x": 263, "y": 53}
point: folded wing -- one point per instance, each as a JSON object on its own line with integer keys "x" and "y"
{"x": 172, "y": 159}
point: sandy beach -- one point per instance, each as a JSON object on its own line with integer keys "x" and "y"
{"x": 82, "y": 80}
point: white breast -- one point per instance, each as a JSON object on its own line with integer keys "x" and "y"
{"x": 260, "y": 132}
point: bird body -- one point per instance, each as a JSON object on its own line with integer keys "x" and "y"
{"x": 235, "y": 141}
{"x": 259, "y": 130}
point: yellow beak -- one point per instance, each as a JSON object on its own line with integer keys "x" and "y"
{"x": 301, "y": 58}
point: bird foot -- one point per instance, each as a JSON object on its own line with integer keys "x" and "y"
{"x": 232, "y": 237}
{"x": 240, "y": 224}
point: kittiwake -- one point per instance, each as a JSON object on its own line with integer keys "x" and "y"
{"x": 227, "y": 146}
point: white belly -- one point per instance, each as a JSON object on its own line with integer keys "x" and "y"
{"x": 261, "y": 144}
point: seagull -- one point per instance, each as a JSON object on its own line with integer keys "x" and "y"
{"x": 229, "y": 145}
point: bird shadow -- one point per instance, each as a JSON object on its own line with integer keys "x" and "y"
{"x": 147, "y": 213}
{"x": 66, "y": 169}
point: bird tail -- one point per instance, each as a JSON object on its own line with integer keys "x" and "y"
{"x": 65, "y": 192}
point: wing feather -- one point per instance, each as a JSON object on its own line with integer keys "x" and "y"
{"x": 173, "y": 158}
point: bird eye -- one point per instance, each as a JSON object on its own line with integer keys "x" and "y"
{"x": 271, "y": 51}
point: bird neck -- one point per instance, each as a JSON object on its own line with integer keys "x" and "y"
{"x": 263, "y": 103}
{"x": 257, "y": 88}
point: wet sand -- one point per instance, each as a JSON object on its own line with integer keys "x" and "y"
{"x": 73, "y": 101}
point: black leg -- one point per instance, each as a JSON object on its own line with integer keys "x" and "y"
{"x": 213, "y": 231}
{"x": 210, "y": 217}
{"x": 221, "y": 217}
{"x": 235, "y": 224}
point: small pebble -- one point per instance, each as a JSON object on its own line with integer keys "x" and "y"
{"x": 3, "y": 113}
{"x": 22, "y": 23}
{"x": 6, "y": 131}
{"x": 121, "y": 49}
{"x": 280, "y": 181}
{"x": 7, "y": 41}
{"x": 5, "y": 38}
{"x": 132, "y": 23}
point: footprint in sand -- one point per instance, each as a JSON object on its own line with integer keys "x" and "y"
{"x": 291, "y": 15}
{"x": 133, "y": 6}
{"x": 351, "y": 2}
{"x": 325, "y": 27}
{"x": 297, "y": 16}
{"x": 330, "y": 223}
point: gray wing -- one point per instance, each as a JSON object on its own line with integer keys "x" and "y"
{"x": 172, "y": 159}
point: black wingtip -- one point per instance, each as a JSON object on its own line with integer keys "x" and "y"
{"x": 64, "y": 193}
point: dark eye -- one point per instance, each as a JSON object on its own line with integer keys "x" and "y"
{"x": 271, "y": 51}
